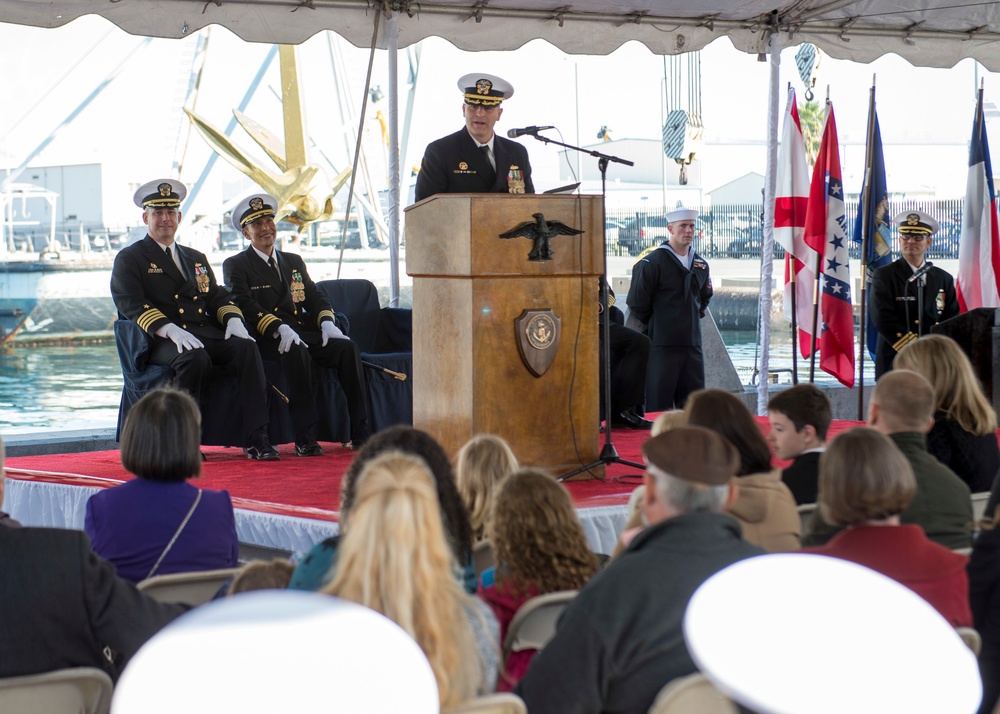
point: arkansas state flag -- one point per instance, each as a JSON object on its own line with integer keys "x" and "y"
{"x": 979, "y": 250}
{"x": 826, "y": 233}
{"x": 791, "y": 199}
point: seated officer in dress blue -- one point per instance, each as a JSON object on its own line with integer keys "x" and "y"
{"x": 293, "y": 322}
{"x": 170, "y": 291}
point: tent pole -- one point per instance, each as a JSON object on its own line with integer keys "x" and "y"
{"x": 767, "y": 246}
{"x": 392, "y": 35}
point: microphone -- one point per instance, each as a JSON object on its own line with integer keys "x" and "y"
{"x": 514, "y": 133}
{"x": 921, "y": 272}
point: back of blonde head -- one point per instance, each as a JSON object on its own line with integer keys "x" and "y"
{"x": 483, "y": 462}
{"x": 957, "y": 390}
{"x": 395, "y": 559}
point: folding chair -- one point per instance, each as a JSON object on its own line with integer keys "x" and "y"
{"x": 189, "y": 588}
{"x": 79, "y": 690}
{"x": 534, "y": 624}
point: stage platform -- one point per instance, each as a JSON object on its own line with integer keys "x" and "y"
{"x": 289, "y": 504}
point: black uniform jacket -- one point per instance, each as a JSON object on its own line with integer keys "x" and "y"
{"x": 669, "y": 298}
{"x": 268, "y": 303}
{"x": 148, "y": 288}
{"x": 892, "y": 296}
{"x": 454, "y": 164}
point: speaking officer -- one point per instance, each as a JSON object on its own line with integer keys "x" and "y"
{"x": 668, "y": 297}
{"x": 893, "y": 302}
{"x": 474, "y": 159}
{"x": 293, "y": 322}
{"x": 169, "y": 290}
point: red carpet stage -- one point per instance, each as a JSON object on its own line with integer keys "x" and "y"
{"x": 288, "y": 504}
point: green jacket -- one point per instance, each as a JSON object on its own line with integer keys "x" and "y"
{"x": 942, "y": 505}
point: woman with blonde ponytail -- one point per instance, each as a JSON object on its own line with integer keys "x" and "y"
{"x": 395, "y": 559}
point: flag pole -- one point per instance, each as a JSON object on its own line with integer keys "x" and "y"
{"x": 866, "y": 237}
{"x": 793, "y": 279}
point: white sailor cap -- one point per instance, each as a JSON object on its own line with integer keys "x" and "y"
{"x": 253, "y": 207}
{"x": 915, "y": 223}
{"x": 826, "y": 635}
{"x": 161, "y": 193}
{"x": 682, "y": 214}
{"x": 485, "y": 89}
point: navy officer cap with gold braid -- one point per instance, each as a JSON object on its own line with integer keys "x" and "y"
{"x": 253, "y": 207}
{"x": 485, "y": 90}
{"x": 161, "y": 193}
{"x": 915, "y": 223}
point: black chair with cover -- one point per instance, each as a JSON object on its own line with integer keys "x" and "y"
{"x": 221, "y": 422}
{"x": 385, "y": 337}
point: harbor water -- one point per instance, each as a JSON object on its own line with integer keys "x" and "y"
{"x": 79, "y": 386}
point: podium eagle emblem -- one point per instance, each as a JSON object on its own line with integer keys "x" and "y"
{"x": 540, "y": 231}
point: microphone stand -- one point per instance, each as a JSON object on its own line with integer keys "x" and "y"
{"x": 609, "y": 454}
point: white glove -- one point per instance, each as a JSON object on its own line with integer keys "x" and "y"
{"x": 330, "y": 330}
{"x": 288, "y": 338}
{"x": 236, "y": 328}
{"x": 180, "y": 337}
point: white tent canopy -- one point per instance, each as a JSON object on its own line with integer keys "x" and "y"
{"x": 925, "y": 32}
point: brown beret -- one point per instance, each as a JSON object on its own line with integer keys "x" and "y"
{"x": 693, "y": 453}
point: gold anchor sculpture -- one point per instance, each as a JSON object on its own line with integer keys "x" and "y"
{"x": 304, "y": 193}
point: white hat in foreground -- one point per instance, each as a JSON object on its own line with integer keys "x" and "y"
{"x": 792, "y": 633}
{"x": 278, "y": 651}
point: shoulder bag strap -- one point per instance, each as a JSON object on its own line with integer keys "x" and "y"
{"x": 173, "y": 540}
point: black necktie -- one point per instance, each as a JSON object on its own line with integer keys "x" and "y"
{"x": 274, "y": 267}
{"x": 170, "y": 257}
{"x": 490, "y": 173}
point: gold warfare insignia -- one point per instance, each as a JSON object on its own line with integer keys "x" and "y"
{"x": 154, "y": 269}
{"x": 483, "y": 86}
{"x": 165, "y": 189}
{"x": 201, "y": 277}
{"x": 463, "y": 166}
{"x": 939, "y": 301}
{"x": 256, "y": 203}
{"x": 913, "y": 219}
{"x": 515, "y": 182}
{"x": 298, "y": 287}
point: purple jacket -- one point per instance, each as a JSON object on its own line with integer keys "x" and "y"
{"x": 130, "y": 525}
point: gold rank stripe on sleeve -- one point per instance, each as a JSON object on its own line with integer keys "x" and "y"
{"x": 265, "y": 322}
{"x": 147, "y": 318}
{"x": 227, "y": 310}
{"x": 325, "y": 313}
{"x": 903, "y": 341}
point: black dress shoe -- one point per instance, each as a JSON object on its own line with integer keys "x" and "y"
{"x": 260, "y": 449}
{"x": 309, "y": 448}
{"x": 628, "y": 419}
{"x": 362, "y": 435}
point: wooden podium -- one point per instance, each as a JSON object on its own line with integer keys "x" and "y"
{"x": 470, "y": 287}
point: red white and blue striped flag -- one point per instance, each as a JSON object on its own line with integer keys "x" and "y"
{"x": 826, "y": 233}
{"x": 790, "y": 202}
{"x": 978, "y": 283}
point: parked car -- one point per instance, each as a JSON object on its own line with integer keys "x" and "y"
{"x": 645, "y": 231}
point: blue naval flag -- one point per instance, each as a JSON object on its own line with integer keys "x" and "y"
{"x": 879, "y": 253}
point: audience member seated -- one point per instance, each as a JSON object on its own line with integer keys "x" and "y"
{"x": 902, "y": 408}
{"x": 865, "y": 482}
{"x": 984, "y": 596}
{"x": 63, "y": 605}
{"x": 668, "y": 420}
{"x": 158, "y": 523}
{"x": 262, "y": 575}
{"x": 5, "y": 519}
{"x": 964, "y": 436}
{"x": 316, "y": 568}
{"x": 540, "y": 548}
{"x": 800, "y": 418}
{"x": 620, "y": 640}
{"x": 395, "y": 559}
{"x": 483, "y": 462}
{"x": 765, "y": 507}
